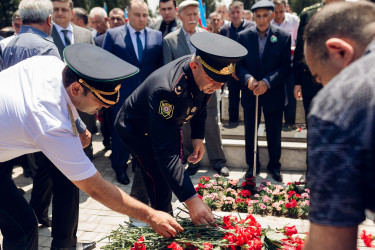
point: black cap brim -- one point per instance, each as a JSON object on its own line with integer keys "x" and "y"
{"x": 102, "y": 71}
{"x": 217, "y": 52}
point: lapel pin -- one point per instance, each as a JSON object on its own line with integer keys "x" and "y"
{"x": 273, "y": 39}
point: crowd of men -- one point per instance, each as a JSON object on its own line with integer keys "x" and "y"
{"x": 169, "y": 101}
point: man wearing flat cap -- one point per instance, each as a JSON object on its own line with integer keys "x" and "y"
{"x": 37, "y": 113}
{"x": 150, "y": 120}
{"x": 263, "y": 73}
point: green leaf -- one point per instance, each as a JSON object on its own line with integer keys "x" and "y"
{"x": 275, "y": 236}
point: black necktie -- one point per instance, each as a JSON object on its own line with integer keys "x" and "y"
{"x": 166, "y": 31}
{"x": 66, "y": 38}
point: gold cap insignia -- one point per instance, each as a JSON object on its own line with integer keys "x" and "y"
{"x": 228, "y": 70}
{"x": 99, "y": 93}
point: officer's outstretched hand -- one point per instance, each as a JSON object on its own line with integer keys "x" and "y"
{"x": 164, "y": 224}
{"x": 200, "y": 213}
{"x": 85, "y": 137}
{"x": 198, "y": 151}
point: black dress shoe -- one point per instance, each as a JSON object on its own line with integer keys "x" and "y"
{"x": 27, "y": 173}
{"x": 224, "y": 171}
{"x": 123, "y": 178}
{"x": 22, "y": 192}
{"x": 45, "y": 222}
{"x": 249, "y": 172}
{"x": 80, "y": 245}
{"x": 193, "y": 168}
{"x": 276, "y": 175}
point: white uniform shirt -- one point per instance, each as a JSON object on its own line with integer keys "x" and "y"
{"x": 290, "y": 24}
{"x": 34, "y": 116}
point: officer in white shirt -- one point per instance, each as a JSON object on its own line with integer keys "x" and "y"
{"x": 39, "y": 98}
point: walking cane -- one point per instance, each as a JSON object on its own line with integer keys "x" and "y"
{"x": 256, "y": 135}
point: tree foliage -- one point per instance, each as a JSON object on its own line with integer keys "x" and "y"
{"x": 7, "y": 8}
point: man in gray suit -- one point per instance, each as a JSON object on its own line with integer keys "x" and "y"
{"x": 64, "y": 33}
{"x": 169, "y": 22}
{"x": 177, "y": 44}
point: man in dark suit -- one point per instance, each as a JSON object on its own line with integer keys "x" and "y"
{"x": 116, "y": 19}
{"x": 169, "y": 23}
{"x": 263, "y": 73}
{"x": 142, "y": 47}
{"x": 231, "y": 30}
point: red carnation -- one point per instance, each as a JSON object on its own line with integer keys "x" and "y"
{"x": 289, "y": 231}
{"x": 208, "y": 246}
{"x": 367, "y": 239}
{"x": 175, "y": 246}
{"x": 139, "y": 244}
{"x": 291, "y": 204}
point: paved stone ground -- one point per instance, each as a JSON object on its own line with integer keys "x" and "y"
{"x": 96, "y": 221}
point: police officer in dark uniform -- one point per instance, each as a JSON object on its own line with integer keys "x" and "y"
{"x": 150, "y": 120}
{"x": 304, "y": 85}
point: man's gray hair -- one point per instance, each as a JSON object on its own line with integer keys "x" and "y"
{"x": 35, "y": 11}
{"x": 98, "y": 11}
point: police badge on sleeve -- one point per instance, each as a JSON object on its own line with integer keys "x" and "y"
{"x": 166, "y": 109}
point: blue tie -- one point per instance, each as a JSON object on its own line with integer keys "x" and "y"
{"x": 139, "y": 45}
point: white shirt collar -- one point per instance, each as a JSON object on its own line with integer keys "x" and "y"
{"x": 188, "y": 34}
{"x": 285, "y": 21}
{"x": 59, "y": 28}
{"x": 132, "y": 30}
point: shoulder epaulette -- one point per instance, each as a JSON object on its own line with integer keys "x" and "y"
{"x": 312, "y": 7}
{"x": 180, "y": 85}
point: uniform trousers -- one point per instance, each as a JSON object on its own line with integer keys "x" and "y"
{"x": 18, "y": 223}
{"x": 273, "y": 122}
{"x": 120, "y": 154}
{"x": 49, "y": 183}
{"x": 159, "y": 192}
{"x": 212, "y": 135}
{"x": 234, "y": 88}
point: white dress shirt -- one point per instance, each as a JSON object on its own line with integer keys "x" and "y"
{"x": 134, "y": 38}
{"x": 34, "y": 116}
{"x": 290, "y": 24}
{"x": 70, "y": 33}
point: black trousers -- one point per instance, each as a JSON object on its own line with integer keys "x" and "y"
{"x": 290, "y": 108}
{"x": 106, "y": 127}
{"x": 49, "y": 183}
{"x": 159, "y": 192}
{"x": 234, "y": 88}
{"x": 273, "y": 122}
{"x": 18, "y": 223}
